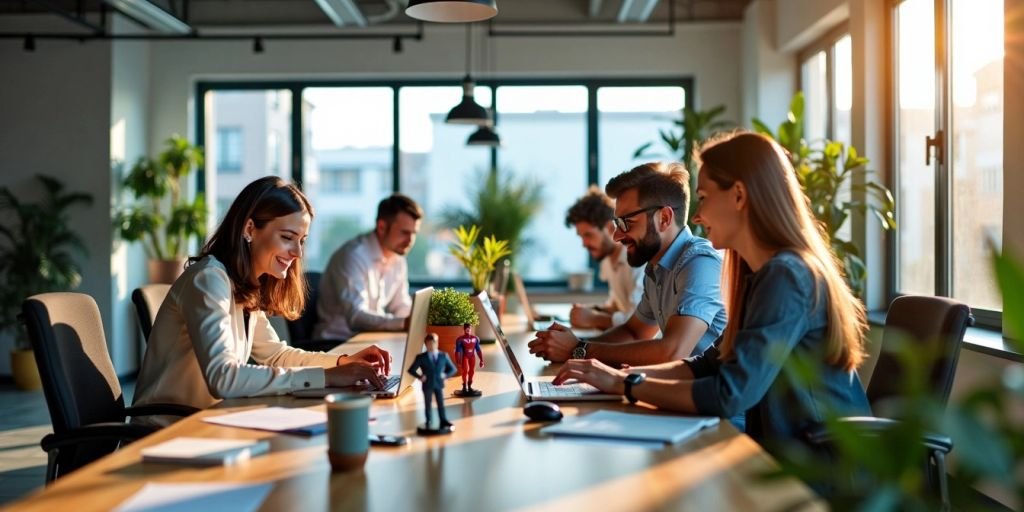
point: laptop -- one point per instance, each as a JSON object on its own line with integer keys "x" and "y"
{"x": 399, "y": 380}
{"x": 539, "y": 388}
{"x": 536, "y": 320}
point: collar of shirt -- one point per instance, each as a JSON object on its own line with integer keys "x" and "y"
{"x": 621, "y": 259}
{"x": 672, "y": 254}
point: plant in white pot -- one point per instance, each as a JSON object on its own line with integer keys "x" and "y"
{"x": 162, "y": 217}
{"x": 38, "y": 251}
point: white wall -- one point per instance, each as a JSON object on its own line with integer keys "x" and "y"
{"x": 128, "y": 138}
{"x": 55, "y": 104}
{"x": 769, "y": 74}
{"x": 708, "y": 52}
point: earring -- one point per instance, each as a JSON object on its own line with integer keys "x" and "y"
{"x": 248, "y": 240}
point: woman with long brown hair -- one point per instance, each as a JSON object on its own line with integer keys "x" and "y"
{"x": 787, "y": 303}
{"x": 214, "y": 318}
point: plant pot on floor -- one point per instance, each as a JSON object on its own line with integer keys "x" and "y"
{"x": 165, "y": 271}
{"x": 24, "y": 369}
{"x": 446, "y": 336}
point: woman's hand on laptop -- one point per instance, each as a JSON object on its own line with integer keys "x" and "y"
{"x": 555, "y": 344}
{"x": 374, "y": 355}
{"x": 593, "y": 372}
{"x": 351, "y": 373}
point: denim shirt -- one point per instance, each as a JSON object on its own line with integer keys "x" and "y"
{"x": 781, "y": 319}
{"x": 686, "y": 282}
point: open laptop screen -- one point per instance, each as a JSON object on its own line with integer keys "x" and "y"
{"x": 492, "y": 319}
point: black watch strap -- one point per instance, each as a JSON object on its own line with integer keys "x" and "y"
{"x": 631, "y": 380}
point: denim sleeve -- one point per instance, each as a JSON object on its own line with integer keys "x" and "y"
{"x": 700, "y": 283}
{"x": 706, "y": 364}
{"x": 776, "y": 318}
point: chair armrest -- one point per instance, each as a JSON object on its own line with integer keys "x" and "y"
{"x": 161, "y": 409}
{"x": 819, "y": 435}
{"x": 96, "y": 432}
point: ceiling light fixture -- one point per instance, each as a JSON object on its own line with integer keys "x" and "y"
{"x": 484, "y": 136}
{"x": 468, "y": 111}
{"x": 153, "y": 16}
{"x": 452, "y": 11}
{"x": 342, "y": 12}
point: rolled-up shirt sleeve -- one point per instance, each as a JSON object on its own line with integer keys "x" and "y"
{"x": 208, "y": 322}
{"x": 775, "y": 320}
{"x": 701, "y": 278}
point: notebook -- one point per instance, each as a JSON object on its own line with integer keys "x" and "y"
{"x": 535, "y": 388}
{"x": 632, "y": 427}
{"x": 200, "y": 451}
{"x": 400, "y": 380}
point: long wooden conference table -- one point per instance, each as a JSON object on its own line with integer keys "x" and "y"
{"x": 494, "y": 460}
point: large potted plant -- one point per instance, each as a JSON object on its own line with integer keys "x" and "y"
{"x": 478, "y": 259}
{"x": 823, "y": 170}
{"x": 449, "y": 311}
{"x": 37, "y": 255}
{"x": 162, "y": 218}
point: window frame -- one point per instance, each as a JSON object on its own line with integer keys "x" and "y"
{"x": 204, "y": 86}
{"x": 826, "y": 43}
{"x": 942, "y": 158}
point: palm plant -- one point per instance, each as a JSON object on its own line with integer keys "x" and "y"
{"x": 162, "y": 219}
{"x": 501, "y": 206}
{"x": 824, "y": 171}
{"x": 39, "y": 249}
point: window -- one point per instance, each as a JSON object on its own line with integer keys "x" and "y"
{"x": 826, "y": 79}
{"x": 229, "y": 149}
{"x": 248, "y": 138}
{"x": 961, "y": 186}
{"x": 360, "y": 141}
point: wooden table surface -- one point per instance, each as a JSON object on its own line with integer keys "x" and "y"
{"x": 494, "y": 460}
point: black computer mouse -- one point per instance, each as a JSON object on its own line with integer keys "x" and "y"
{"x": 542, "y": 411}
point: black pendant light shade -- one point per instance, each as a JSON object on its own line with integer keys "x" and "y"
{"x": 452, "y": 11}
{"x": 484, "y": 136}
{"x": 468, "y": 111}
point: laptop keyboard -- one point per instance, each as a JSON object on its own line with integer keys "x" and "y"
{"x": 544, "y": 388}
{"x": 391, "y": 382}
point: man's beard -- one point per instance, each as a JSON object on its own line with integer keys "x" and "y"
{"x": 645, "y": 248}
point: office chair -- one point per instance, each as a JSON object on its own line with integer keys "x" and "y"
{"x": 81, "y": 388}
{"x": 147, "y": 300}
{"x": 936, "y": 326}
{"x": 300, "y": 330}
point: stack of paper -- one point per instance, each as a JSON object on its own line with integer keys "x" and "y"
{"x": 632, "y": 427}
{"x": 226, "y": 497}
{"x": 276, "y": 419}
{"x": 204, "y": 452}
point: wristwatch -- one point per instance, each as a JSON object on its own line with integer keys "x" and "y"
{"x": 632, "y": 380}
{"x": 580, "y": 352}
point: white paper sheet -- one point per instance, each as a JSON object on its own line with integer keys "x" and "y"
{"x": 226, "y": 497}
{"x": 277, "y": 419}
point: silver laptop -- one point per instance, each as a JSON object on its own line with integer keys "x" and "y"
{"x": 538, "y": 388}
{"x": 538, "y": 321}
{"x": 399, "y": 380}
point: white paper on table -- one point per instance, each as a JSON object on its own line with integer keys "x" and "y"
{"x": 277, "y": 419}
{"x": 222, "y": 497}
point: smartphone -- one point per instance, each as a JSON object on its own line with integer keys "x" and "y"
{"x": 387, "y": 440}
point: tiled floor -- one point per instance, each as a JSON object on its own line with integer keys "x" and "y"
{"x": 23, "y": 423}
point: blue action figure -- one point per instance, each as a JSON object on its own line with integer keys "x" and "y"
{"x": 432, "y": 368}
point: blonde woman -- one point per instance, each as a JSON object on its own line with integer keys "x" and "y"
{"x": 786, "y": 298}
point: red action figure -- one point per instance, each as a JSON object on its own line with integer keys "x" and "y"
{"x": 467, "y": 349}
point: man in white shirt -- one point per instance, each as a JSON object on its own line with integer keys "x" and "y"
{"x": 365, "y": 286}
{"x": 592, "y": 216}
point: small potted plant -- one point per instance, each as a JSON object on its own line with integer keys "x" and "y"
{"x": 37, "y": 255}
{"x": 162, "y": 218}
{"x": 449, "y": 311}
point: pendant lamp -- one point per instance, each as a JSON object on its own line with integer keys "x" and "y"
{"x": 468, "y": 111}
{"x": 484, "y": 136}
{"x": 452, "y": 11}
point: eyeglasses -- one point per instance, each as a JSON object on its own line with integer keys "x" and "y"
{"x": 620, "y": 221}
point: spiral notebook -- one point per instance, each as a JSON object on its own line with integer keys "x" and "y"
{"x": 632, "y": 427}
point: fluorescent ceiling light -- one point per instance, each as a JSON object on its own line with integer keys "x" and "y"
{"x": 636, "y": 10}
{"x": 342, "y": 12}
{"x": 152, "y": 15}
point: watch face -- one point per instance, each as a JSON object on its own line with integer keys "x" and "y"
{"x": 635, "y": 378}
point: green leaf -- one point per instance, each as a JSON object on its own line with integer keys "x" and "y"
{"x": 1010, "y": 277}
{"x": 762, "y": 128}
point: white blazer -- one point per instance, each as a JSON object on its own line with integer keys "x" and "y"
{"x": 198, "y": 350}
